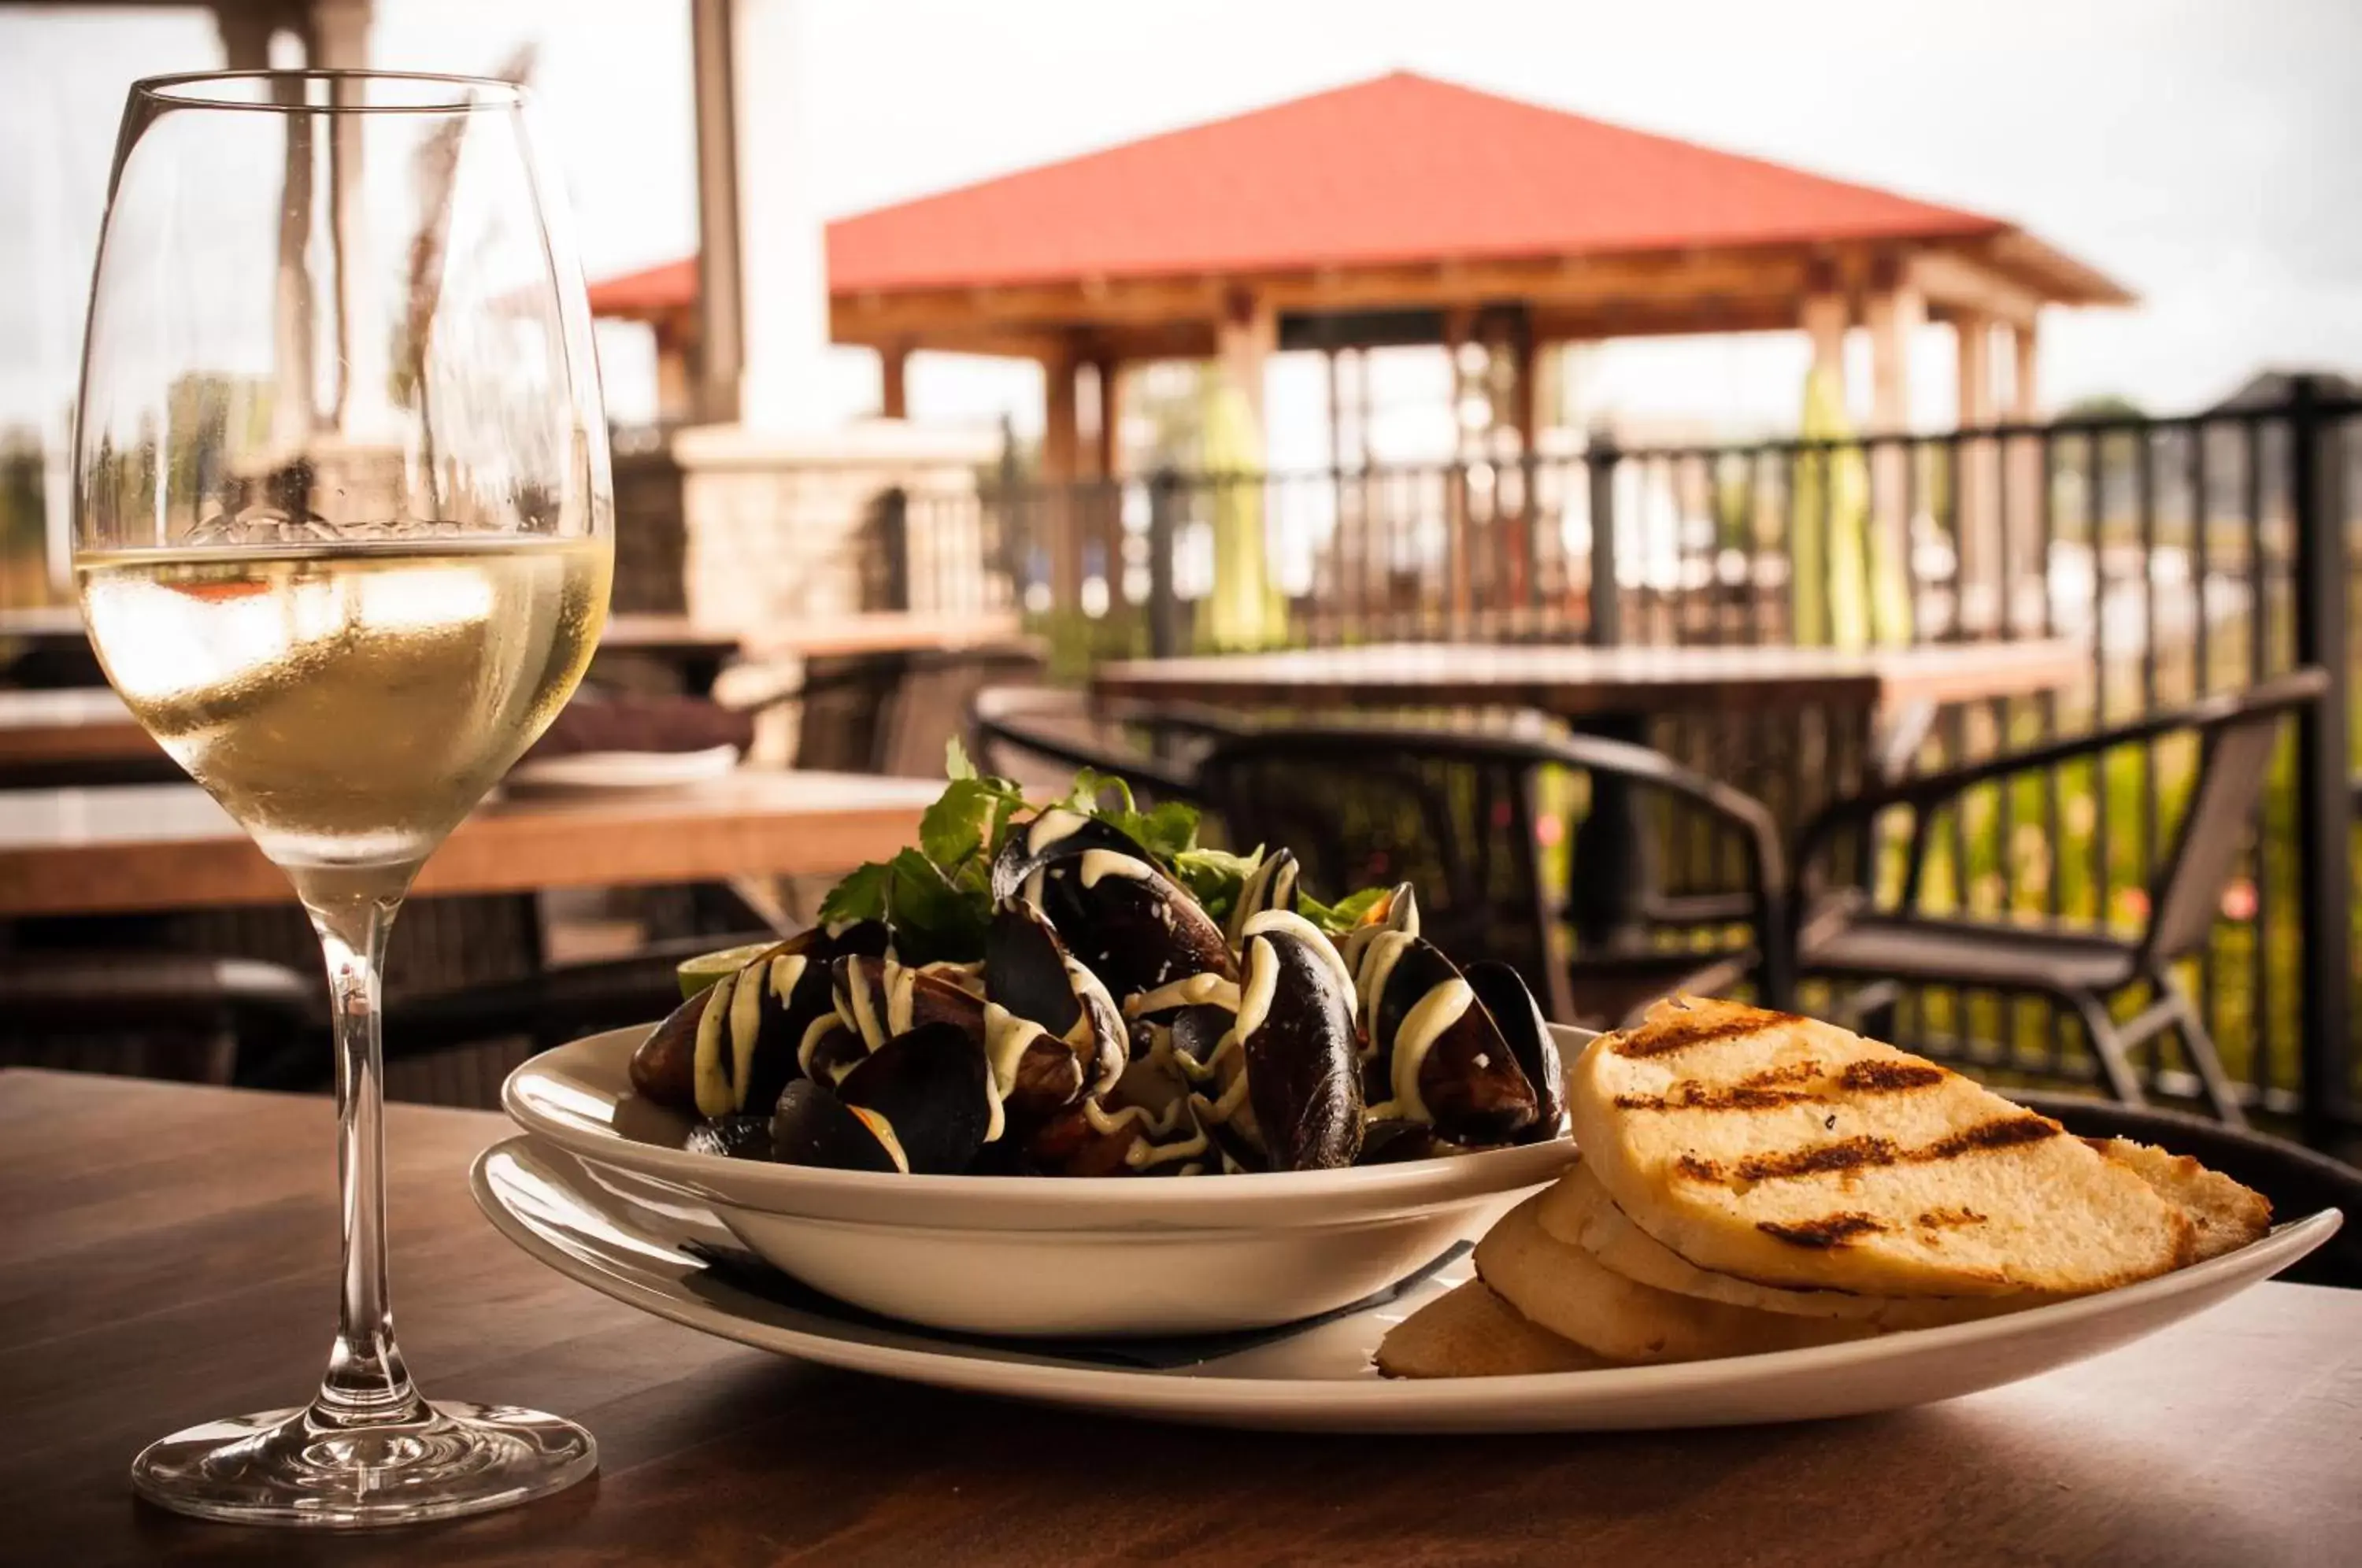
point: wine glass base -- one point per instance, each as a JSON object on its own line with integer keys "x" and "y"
{"x": 283, "y": 1467}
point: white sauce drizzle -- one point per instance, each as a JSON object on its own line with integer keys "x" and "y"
{"x": 1050, "y": 827}
{"x": 1007, "y": 1038}
{"x": 814, "y": 1033}
{"x": 900, "y": 984}
{"x": 864, "y": 1008}
{"x": 1312, "y": 936}
{"x": 883, "y": 1131}
{"x": 1421, "y": 1027}
{"x": 1256, "y": 990}
{"x": 1190, "y": 990}
{"x": 745, "y": 1029}
{"x": 712, "y": 1088}
{"x": 1099, "y": 863}
{"x": 1144, "y": 1151}
{"x": 1385, "y": 950}
{"x": 786, "y": 973}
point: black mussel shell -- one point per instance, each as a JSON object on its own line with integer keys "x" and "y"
{"x": 1198, "y": 1031}
{"x": 1519, "y": 1018}
{"x": 1303, "y": 1076}
{"x": 664, "y": 1067}
{"x": 1028, "y": 972}
{"x": 1129, "y": 923}
{"x": 929, "y": 1086}
{"x": 813, "y": 1127}
{"x": 870, "y": 993}
{"x": 735, "y": 1137}
{"x": 1270, "y": 886}
{"x": 835, "y": 1053}
{"x": 1469, "y": 1081}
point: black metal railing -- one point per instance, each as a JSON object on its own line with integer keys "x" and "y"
{"x": 2188, "y": 555}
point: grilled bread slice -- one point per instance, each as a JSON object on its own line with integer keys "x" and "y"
{"x": 1573, "y": 1294}
{"x": 1468, "y": 1331}
{"x": 1793, "y": 1154}
{"x": 1577, "y": 1210}
{"x": 2228, "y": 1216}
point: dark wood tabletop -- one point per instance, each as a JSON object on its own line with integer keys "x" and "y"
{"x": 1581, "y": 682}
{"x": 169, "y": 847}
{"x": 170, "y": 1252}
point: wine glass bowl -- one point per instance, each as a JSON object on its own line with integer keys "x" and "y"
{"x": 343, "y": 530}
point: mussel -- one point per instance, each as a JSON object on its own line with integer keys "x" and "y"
{"x": 733, "y": 1047}
{"x": 919, "y": 1100}
{"x": 1129, "y": 923}
{"x": 1294, "y": 1034}
{"x": 1052, "y": 1033}
{"x": 1435, "y": 1053}
{"x": 1514, "y": 1013}
{"x": 1270, "y": 886}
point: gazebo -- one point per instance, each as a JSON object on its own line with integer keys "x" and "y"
{"x": 1406, "y": 210}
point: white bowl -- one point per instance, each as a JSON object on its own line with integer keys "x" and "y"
{"x": 1042, "y": 1255}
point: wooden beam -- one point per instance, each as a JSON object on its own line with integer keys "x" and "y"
{"x": 1061, "y": 457}
{"x": 1894, "y": 318}
{"x": 2023, "y": 383}
{"x": 1109, "y": 373}
{"x": 893, "y": 367}
{"x": 1245, "y": 338}
{"x": 1956, "y": 284}
{"x": 720, "y": 330}
{"x": 1824, "y": 317}
{"x": 1663, "y": 277}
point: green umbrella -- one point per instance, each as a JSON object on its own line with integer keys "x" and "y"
{"x": 1244, "y": 610}
{"x": 1829, "y": 528}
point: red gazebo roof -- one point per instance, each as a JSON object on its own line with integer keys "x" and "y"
{"x": 1402, "y": 168}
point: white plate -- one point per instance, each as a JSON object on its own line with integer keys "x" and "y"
{"x": 1036, "y": 1255}
{"x": 594, "y": 771}
{"x": 620, "y": 1235}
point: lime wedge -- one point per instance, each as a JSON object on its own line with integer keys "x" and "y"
{"x": 696, "y": 974}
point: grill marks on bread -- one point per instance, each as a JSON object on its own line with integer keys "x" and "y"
{"x": 1849, "y": 1156}
{"x": 1798, "y": 1083}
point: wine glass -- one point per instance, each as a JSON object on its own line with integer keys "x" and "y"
{"x": 343, "y": 534}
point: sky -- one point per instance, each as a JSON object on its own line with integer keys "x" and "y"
{"x": 2204, "y": 152}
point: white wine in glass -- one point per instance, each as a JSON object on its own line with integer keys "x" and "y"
{"x": 344, "y": 540}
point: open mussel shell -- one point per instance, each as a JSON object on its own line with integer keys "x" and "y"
{"x": 1270, "y": 886}
{"x": 830, "y": 1050}
{"x": 1029, "y": 973}
{"x": 1510, "y": 1002}
{"x": 1397, "y": 913}
{"x": 880, "y": 998}
{"x": 812, "y": 1126}
{"x": 1129, "y": 923}
{"x": 734, "y": 1137}
{"x": 928, "y": 1087}
{"x": 664, "y": 1065}
{"x": 1296, "y": 1032}
{"x": 1144, "y": 1126}
{"x": 741, "y": 1059}
{"x": 1442, "y": 1059}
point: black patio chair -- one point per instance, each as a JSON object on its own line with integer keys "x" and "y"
{"x": 1041, "y": 735}
{"x": 147, "y": 1015}
{"x": 456, "y": 1047}
{"x": 1454, "y": 812}
{"x": 1853, "y": 942}
{"x": 2298, "y": 1181}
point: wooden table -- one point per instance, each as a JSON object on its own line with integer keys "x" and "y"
{"x": 169, "y": 846}
{"x": 1583, "y": 682}
{"x": 69, "y": 725}
{"x": 171, "y": 1256}
{"x": 1610, "y": 692}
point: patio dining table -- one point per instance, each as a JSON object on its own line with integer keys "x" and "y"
{"x": 172, "y": 1255}
{"x": 1611, "y": 692}
{"x": 157, "y": 847}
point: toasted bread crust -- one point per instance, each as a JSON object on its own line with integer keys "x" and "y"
{"x": 1468, "y": 1331}
{"x": 1791, "y": 1154}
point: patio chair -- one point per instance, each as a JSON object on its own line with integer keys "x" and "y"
{"x": 153, "y": 1015}
{"x": 1850, "y": 942}
{"x": 456, "y": 1047}
{"x": 1455, "y": 813}
{"x": 1041, "y": 735}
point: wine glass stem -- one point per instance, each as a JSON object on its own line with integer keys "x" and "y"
{"x": 367, "y": 1383}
